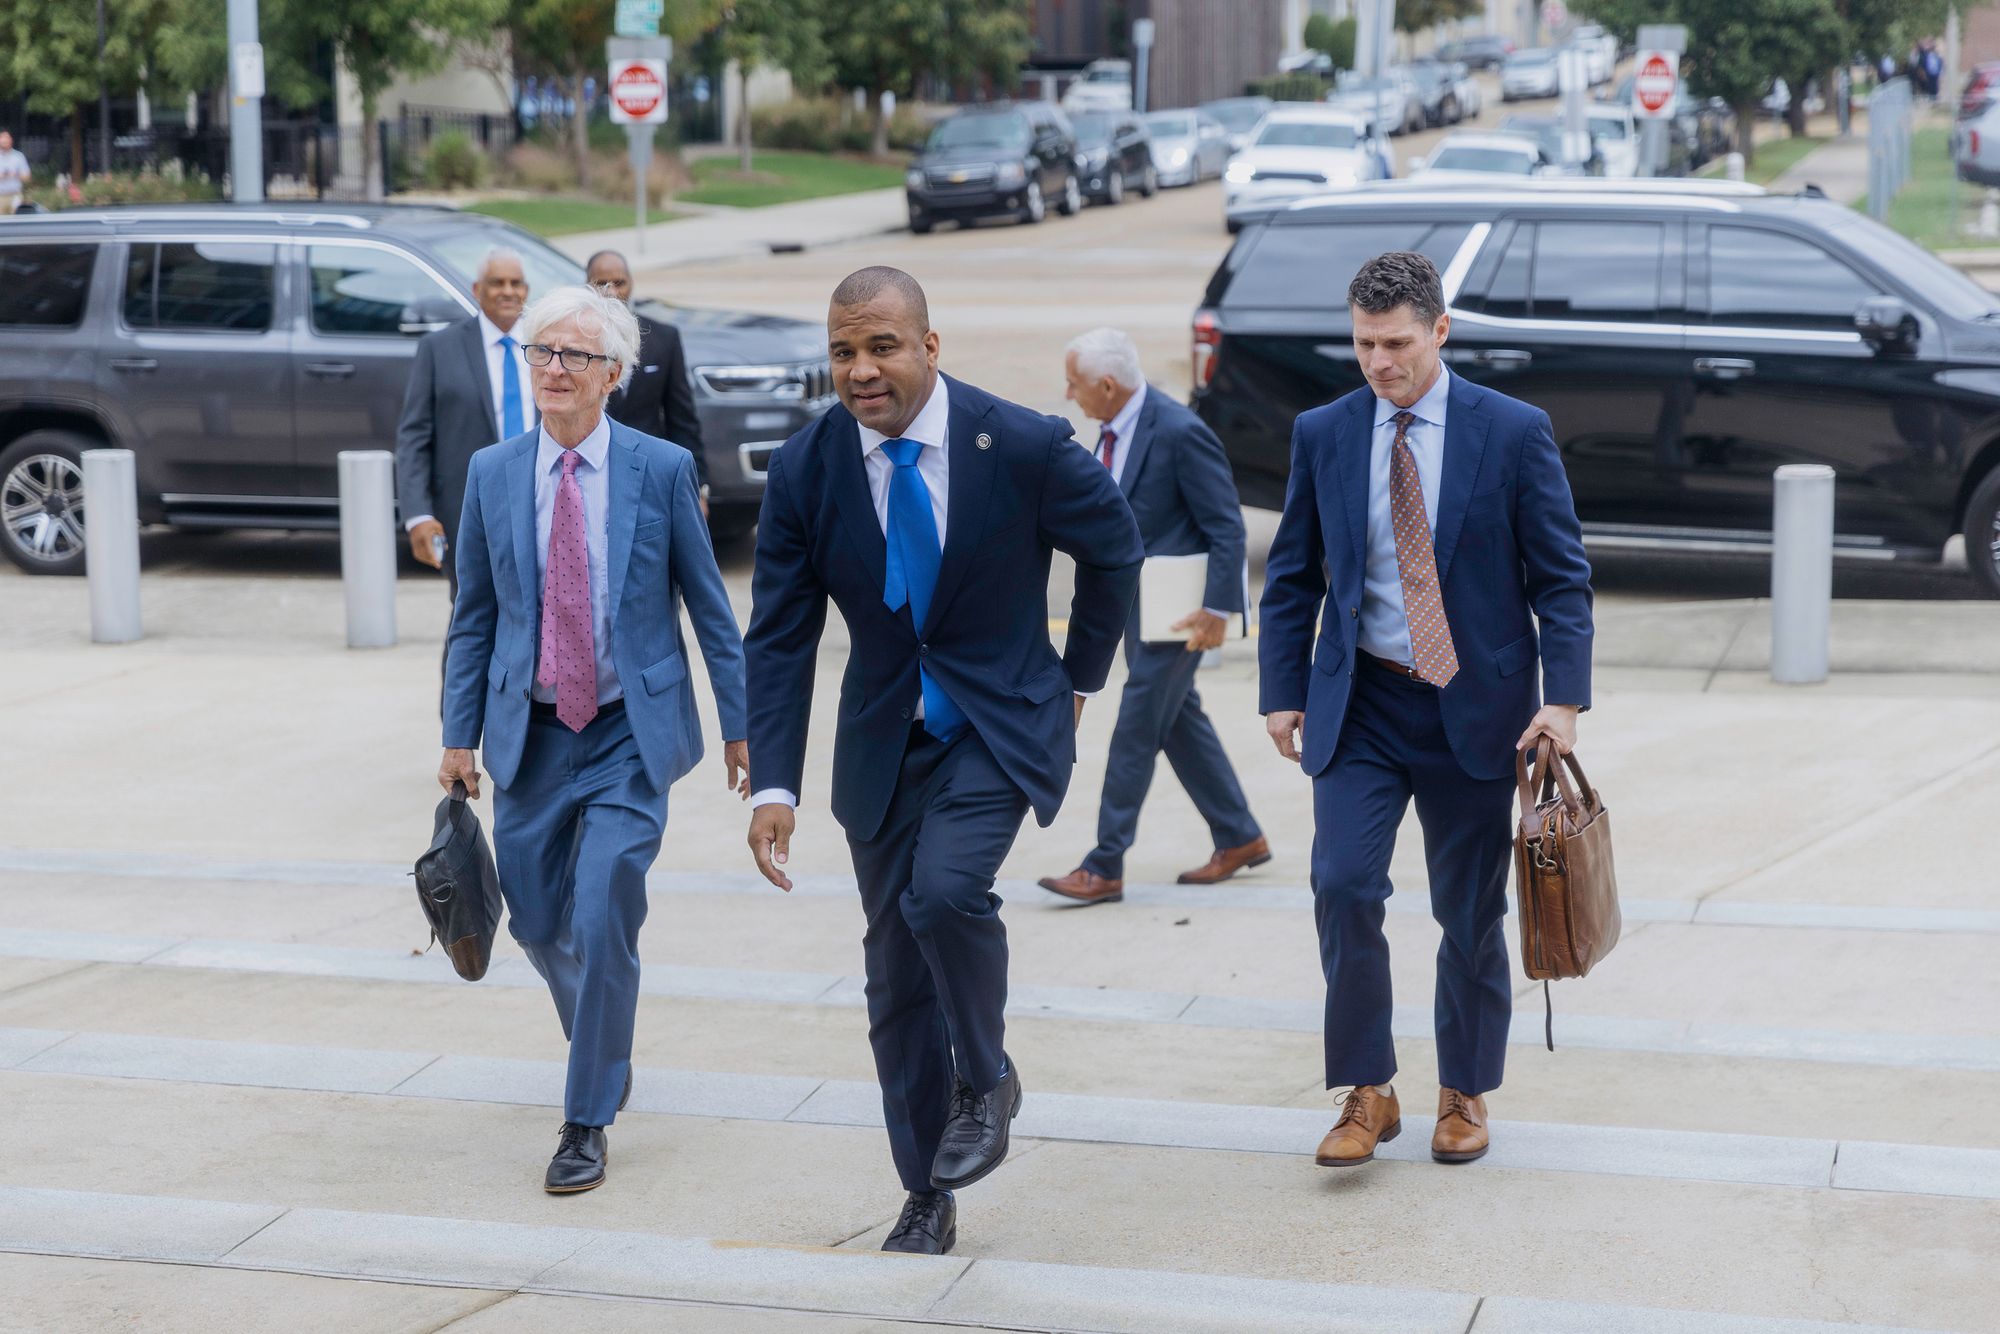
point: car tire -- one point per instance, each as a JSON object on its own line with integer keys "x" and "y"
{"x": 1071, "y": 202}
{"x": 1149, "y": 183}
{"x": 1035, "y": 208}
{"x": 921, "y": 226}
{"x": 1232, "y": 226}
{"x": 1448, "y": 113}
{"x": 1982, "y": 535}
{"x": 1114, "y": 188}
{"x": 41, "y": 485}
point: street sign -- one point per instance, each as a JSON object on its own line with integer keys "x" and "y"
{"x": 638, "y": 92}
{"x": 1655, "y": 85}
{"x": 637, "y": 18}
{"x": 247, "y": 65}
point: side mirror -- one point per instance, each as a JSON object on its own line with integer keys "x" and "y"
{"x": 429, "y": 313}
{"x": 1886, "y": 325}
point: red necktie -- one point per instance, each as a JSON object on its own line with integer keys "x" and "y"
{"x": 1106, "y": 438}
{"x": 1436, "y": 660}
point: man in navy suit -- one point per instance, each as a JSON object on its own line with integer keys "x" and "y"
{"x": 1176, "y": 478}
{"x": 578, "y": 543}
{"x": 1428, "y": 529}
{"x": 926, "y": 511}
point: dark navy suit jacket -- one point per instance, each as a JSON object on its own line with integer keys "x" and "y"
{"x": 1020, "y": 488}
{"x": 1176, "y": 479}
{"x": 1508, "y": 542}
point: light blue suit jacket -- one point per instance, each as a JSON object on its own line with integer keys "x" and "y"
{"x": 658, "y": 554}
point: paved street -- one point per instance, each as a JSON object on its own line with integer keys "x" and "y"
{"x": 239, "y": 1095}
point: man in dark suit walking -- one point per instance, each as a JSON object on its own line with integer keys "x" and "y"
{"x": 659, "y": 399}
{"x": 1172, "y": 471}
{"x": 1428, "y": 529}
{"x": 468, "y": 389}
{"x": 926, "y": 510}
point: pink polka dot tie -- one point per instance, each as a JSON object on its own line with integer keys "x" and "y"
{"x": 569, "y": 648}
{"x": 1416, "y": 556}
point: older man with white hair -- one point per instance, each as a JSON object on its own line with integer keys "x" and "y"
{"x": 1175, "y": 477}
{"x": 579, "y": 542}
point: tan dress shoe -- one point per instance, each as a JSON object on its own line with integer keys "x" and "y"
{"x": 1461, "y": 1134}
{"x": 1226, "y": 862}
{"x": 1368, "y": 1116}
{"x": 1085, "y": 886}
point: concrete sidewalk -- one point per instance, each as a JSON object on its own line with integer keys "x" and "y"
{"x": 1838, "y": 167}
{"x": 730, "y": 233}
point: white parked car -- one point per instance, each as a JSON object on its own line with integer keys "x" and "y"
{"x": 1299, "y": 151}
{"x": 1975, "y": 146}
{"x": 1530, "y": 73}
{"x": 1104, "y": 85}
{"x": 1480, "y": 159}
{"x": 1616, "y": 137}
{"x": 1600, "y": 52}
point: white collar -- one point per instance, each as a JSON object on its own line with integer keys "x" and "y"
{"x": 1126, "y": 419}
{"x": 594, "y": 449}
{"x": 1430, "y": 408}
{"x": 491, "y": 333}
{"x": 932, "y": 426}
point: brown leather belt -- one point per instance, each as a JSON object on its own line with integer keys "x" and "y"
{"x": 1387, "y": 666}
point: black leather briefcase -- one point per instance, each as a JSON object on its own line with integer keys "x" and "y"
{"x": 458, "y": 887}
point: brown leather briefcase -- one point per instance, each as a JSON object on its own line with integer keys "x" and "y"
{"x": 1564, "y": 879}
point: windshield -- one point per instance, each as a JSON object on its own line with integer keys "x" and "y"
{"x": 1236, "y": 117}
{"x": 1008, "y": 131}
{"x": 1171, "y": 125}
{"x": 1502, "y": 160}
{"x": 1109, "y": 74}
{"x": 1093, "y": 127}
{"x": 465, "y": 248}
{"x": 1521, "y": 59}
{"x": 1306, "y": 134}
{"x": 1609, "y": 127}
{"x": 1428, "y": 76}
{"x": 1355, "y": 83}
{"x": 1929, "y": 277}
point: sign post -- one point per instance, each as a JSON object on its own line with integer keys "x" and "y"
{"x": 1656, "y": 91}
{"x": 1142, "y": 51}
{"x": 637, "y": 83}
{"x": 246, "y": 104}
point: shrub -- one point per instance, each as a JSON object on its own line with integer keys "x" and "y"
{"x": 169, "y": 185}
{"x": 1295, "y": 87}
{"x": 453, "y": 163}
{"x": 831, "y": 125}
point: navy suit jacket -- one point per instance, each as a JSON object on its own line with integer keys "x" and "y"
{"x": 1020, "y": 488}
{"x": 1508, "y": 542}
{"x": 1177, "y": 481}
{"x": 447, "y": 418}
{"x": 657, "y": 554}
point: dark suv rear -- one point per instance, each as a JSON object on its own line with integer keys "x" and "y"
{"x": 998, "y": 160}
{"x": 236, "y": 352}
{"x": 1684, "y": 342}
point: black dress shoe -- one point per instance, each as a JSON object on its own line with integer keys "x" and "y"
{"x": 929, "y": 1225}
{"x": 626, "y": 1096}
{"x": 975, "y": 1138}
{"x": 579, "y": 1161}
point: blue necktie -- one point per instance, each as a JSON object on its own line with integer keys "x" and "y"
{"x": 914, "y": 556}
{"x": 511, "y": 424}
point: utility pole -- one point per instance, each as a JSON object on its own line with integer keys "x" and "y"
{"x": 103, "y": 98}
{"x": 246, "y": 104}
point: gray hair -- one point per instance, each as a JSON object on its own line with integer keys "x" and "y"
{"x": 1108, "y": 352}
{"x": 498, "y": 252}
{"x": 610, "y": 321}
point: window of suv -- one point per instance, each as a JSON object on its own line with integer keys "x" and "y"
{"x": 981, "y": 131}
{"x": 1308, "y": 267}
{"x": 362, "y": 290}
{"x": 1595, "y": 270}
{"x": 1307, "y": 134}
{"x": 44, "y": 286}
{"x": 1774, "y": 280}
{"x": 206, "y": 286}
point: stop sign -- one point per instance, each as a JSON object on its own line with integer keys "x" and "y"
{"x": 1655, "y": 84}
{"x": 638, "y": 92}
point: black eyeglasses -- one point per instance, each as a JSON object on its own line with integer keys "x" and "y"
{"x": 574, "y": 359}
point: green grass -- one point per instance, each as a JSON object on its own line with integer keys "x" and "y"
{"x": 560, "y": 217}
{"x": 1773, "y": 158}
{"x": 1934, "y": 206}
{"x": 782, "y": 178}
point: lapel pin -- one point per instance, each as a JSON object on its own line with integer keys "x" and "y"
{"x": 984, "y": 441}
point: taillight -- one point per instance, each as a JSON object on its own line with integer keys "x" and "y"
{"x": 1975, "y": 143}
{"x": 1207, "y": 347}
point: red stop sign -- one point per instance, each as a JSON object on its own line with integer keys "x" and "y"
{"x": 1653, "y": 87}
{"x": 636, "y": 89}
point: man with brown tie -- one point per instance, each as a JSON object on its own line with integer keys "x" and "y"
{"x": 1428, "y": 528}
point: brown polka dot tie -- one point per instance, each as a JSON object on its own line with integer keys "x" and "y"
{"x": 1436, "y": 660}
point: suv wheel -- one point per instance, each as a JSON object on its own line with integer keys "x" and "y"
{"x": 1036, "y": 208}
{"x": 41, "y": 501}
{"x": 1149, "y": 182}
{"x": 1114, "y": 186}
{"x": 1072, "y": 197}
{"x": 1982, "y": 534}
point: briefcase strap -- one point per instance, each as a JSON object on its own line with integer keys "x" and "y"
{"x": 1548, "y": 1016}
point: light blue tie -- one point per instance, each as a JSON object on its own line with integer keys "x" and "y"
{"x": 511, "y": 424}
{"x": 912, "y": 570}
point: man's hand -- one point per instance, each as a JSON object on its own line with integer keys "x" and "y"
{"x": 1284, "y": 729}
{"x": 771, "y": 841}
{"x": 1552, "y": 720}
{"x": 457, "y": 767}
{"x": 1077, "y": 721}
{"x": 420, "y": 542}
{"x": 736, "y": 759}
{"x": 1205, "y": 630}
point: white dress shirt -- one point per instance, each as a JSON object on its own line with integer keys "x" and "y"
{"x": 1122, "y": 424}
{"x": 490, "y": 335}
{"x": 594, "y": 481}
{"x": 1385, "y": 627}
{"x": 931, "y": 429}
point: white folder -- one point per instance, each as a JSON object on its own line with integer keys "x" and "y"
{"x": 1171, "y": 588}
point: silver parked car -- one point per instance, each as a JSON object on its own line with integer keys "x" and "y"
{"x": 1188, "y": 146}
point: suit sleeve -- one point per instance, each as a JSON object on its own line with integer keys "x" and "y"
{"x": 1555, "y": 566}
{"x": 1084, "y": 515}
{"x": 781, "y": 652}
{"x": 415, "y": 436}
{"x": 678, "y": 420}
{"x": 1294, "y": 589}
{"x": 707, "y": 603}
{"x": 1210, "y": 495}
{"x": 475, "y": 615}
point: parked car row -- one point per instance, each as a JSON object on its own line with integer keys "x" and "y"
{"x": 1300, "y": 149}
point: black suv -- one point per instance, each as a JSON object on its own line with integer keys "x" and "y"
{"x": 236, "y": 352}
{"x": 1685, "y": 342}
{"x": 1116, "y": 151}
{"x": 999, "y": 160}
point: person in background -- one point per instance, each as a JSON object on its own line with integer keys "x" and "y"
{"x": 13, "y": 175}
{"x": 659, "y": 400}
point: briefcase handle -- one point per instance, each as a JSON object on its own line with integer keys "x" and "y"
{"x": 458, "y": 792}
{"x": 1547, "y": 778}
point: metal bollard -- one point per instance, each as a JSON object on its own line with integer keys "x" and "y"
{"x": 111, "y": 544}
{"x": 1732, "y": 166}
{"x": 1801, "y": 573}
{"x": 368, "y": 545}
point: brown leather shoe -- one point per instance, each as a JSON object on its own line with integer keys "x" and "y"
{"x": 1226, "y": 862}
{"x": 1461, "y": 1134}
{"x": 1085, "y": 886}
{"x": 1369, "y": 1116}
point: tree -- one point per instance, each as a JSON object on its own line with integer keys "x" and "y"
{"x": 887, "y": 46}
{"x": 1332, "y": 38}
{"x": 781, "y": 33}
{"x": 1417, "y": 15}
{"x": 48, "y": 56}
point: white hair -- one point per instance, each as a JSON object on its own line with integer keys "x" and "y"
{"x": 608, "y": 320}
{"x": 1108, "y": 352}
{"x": 497, "y": 253}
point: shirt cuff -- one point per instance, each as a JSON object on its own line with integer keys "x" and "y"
{"x": 1217, "y": 611}
{"x": 1085, "y": 694}
{"x": 409, "y": 525}
{"x": 774, "y": 795}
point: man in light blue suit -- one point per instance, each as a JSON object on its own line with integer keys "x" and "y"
{"x": 578, "y": 543}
